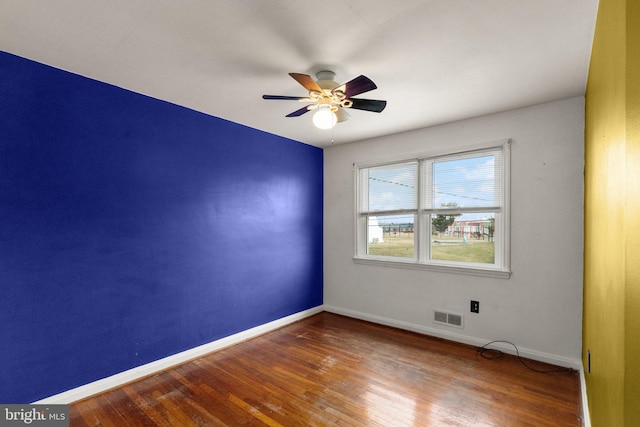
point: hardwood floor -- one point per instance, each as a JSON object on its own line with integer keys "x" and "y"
{"x": 330, "y": 370}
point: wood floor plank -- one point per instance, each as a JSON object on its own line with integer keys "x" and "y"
{"x": 146, "y": 405}
{"x": 330, "y": 370}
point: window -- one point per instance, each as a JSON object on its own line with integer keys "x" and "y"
{"x": 447, "y": 211}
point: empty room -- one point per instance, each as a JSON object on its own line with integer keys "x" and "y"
{"x": 347, "y": 212}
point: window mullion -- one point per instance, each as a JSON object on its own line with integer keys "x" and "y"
{"x": 417, "y": 220}
{"x": 389, "y": 212}
{"x": 449, "y": 211}
{"x": 426, "y": 205}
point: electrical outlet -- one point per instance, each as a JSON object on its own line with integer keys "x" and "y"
{"x": 475, "y": 306}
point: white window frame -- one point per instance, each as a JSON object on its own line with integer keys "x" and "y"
{"x": 421, "y": 259}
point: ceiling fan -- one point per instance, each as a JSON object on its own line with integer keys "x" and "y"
{"x": 329, "y": 98}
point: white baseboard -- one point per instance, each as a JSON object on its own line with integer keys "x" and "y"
{"x": 586, "y": 418}
{"x": 138, "y": 372}
{"x": 453, "y": 336}
{"x": 529, "y": 354}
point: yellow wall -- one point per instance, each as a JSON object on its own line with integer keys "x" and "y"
{"x": 611, "y": 330}
{"x": 632, "y": 220}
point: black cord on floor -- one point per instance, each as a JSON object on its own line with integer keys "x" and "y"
{"x": 492, "y": 354}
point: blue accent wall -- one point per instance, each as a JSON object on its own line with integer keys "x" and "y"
{"x": 132, "y": 229}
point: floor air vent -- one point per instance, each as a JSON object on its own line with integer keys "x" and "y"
{"x": 450, "y": 319}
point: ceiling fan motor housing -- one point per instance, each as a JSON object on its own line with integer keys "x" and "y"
{"x": 326, "y": 75}
{"x": 326, "y": 81}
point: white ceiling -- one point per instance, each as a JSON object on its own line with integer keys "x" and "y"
{"x": 434, "y": 61}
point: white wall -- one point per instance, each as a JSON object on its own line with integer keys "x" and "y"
{"x": 539, "y": 308}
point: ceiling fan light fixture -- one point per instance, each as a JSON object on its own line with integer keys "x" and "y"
{"x": 324, "y": 117}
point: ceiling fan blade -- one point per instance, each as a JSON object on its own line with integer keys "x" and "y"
{"x": 298, "y": 112}
{"x": 306, "y": 81}
{"x": 374, "y": 105}
{"x": 284, "y": 97}
{"x": 342, "y": 115}
{"x": 360, "y": 84}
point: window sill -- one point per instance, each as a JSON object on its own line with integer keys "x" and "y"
{"x": 500, "y": 274}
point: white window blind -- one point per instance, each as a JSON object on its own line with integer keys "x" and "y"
{"x": 467, "y": 181}
{"x": 389, "y": 188}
